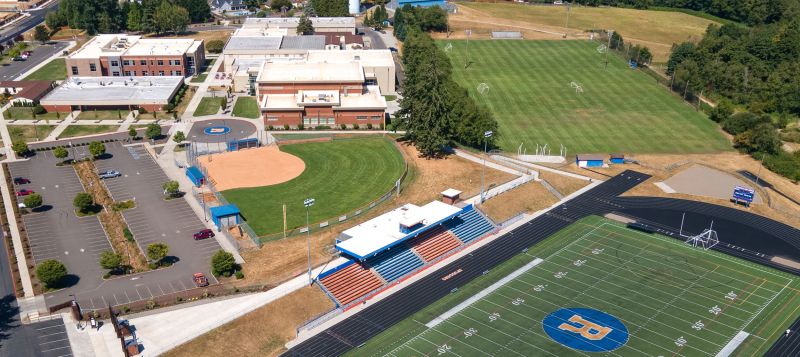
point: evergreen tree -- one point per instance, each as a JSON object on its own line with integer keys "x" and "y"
{"x": 134, "y": 17}
{"x": 305, "y": 26}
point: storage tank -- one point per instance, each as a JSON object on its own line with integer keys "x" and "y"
{"x": 355, "y": 6}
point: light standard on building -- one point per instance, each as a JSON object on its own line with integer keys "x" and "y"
{"x": 308, "y": 203}
{"x": 486, "y": 136}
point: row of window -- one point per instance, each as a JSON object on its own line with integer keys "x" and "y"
{"x": 323, "y": 121}
{"x": 115, "y": 63}
{"x": 128, "y": 73}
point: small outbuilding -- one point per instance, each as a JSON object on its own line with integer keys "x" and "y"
{"x": 617, "y": 159}
{"x": 451, "y": 196}
{"x": 224, "y": 216}
{"x": 194, "y": 175}
{"x": 589, "y": 160}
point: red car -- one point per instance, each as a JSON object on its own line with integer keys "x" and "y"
{"x": 206, "y": 233}
{"x": 24, "y": 192}
{"x": 200, "y": 280}
{"x": 21, "y": 181}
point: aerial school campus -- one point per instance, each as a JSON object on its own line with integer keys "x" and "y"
{"x": 330, "y": 178}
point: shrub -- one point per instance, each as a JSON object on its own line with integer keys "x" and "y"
{"x": 285, "y": 126}
{"x": 343, "y": 126}
{"x": 97, "y": 148}
{"x": 171, "y": 188}
{"x": 153, "y": 131}
{"x": 83, "y": 202}
{"x": 239, "y": 274}
{"x": 127, "y": 233}
{"x": 369, "y": 126}
{"x": 222, "y": 263}
{"x": 60, "y": 153}
{"x": 355, "y": 126}
{"x": 142, "y": 110}
{"x": 33, "y": 200}
{"x": 157, "y": 251}
{"x": 215, "y": 46}
{"x": 110, "y": 260}
{"x": 322, "y": 127}
{"x": 20, "y": 147}
{"x": 270, "y": 127}
{"x": 301, "y": 126}
{"x": 51, "y": 272}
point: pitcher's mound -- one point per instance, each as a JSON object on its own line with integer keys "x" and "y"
{"x": 262, "y": 166}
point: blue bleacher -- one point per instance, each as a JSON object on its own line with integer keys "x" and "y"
{"x": 395, "y": 263}
{"x": 469, "y": 226}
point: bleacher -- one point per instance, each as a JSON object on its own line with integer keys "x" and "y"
{"x": 385, "y": 254}
{"x": 470, "y": 225}
{"x": 395, "y": 263}
{"x": 434, "y": 243}
{"x": 350, "y": 283}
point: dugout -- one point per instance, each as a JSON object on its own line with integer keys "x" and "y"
{"x": 194, "y": 175}
{"x": 224, "y": 216}
{"x": 242, "y": 144}
{"x": 589, "y": 160}
{"x": 617, "y": 159}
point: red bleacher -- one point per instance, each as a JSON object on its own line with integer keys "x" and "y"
{"x": 434, "y": 243}
{"x": 351, "y": 283}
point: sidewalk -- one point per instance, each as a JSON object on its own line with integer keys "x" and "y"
{"x": 128, "y": 121}
{"x": 5, "y": 135}
{"x": 489, "y": 163}
{"x": 202, "y": 90}
{"x": 16, "y": 239}
{"x": 62, "y": 126}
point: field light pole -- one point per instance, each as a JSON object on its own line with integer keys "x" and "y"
{"x": 308, "y": 203}
{"x": 466, "y": 51}
{"x": 486, "y": 135}
{"x": 608, "y": 48}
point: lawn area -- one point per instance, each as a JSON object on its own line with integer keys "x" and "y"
{"x": 56, "y": 70}
{"x": 25, "y": 113}
{"x": 246, "y": 107}
{"x": 342, "y": 175}
{"x": 208, "y": 106}
{"x": 103, "y": 115}
{"x": 29, "y": 132}
{"x": 200, "y": 78}
{"x": 81, "y": 130}
{"x": 654, "y": 294}
{"x": 655, "y": 29}
{"x": 620, "y": 110}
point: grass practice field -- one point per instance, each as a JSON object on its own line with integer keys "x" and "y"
{"x": 342, "y": 175}
{"x": 668, "y": 299}
{"x": 620, "y": 109}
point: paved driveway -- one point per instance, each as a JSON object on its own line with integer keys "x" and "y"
{"x": 39, "y": 53}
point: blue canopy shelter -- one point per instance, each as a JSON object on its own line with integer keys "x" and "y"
{"x": 225, "y": 216}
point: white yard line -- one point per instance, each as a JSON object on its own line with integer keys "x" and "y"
{"x": 483, "y": 293}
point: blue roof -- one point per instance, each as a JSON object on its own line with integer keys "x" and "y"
{"x": 226, "y": 210}
{"x": 194, "y": 171}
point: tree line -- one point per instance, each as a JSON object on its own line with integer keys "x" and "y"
{"x": 111, "y": 16}
{"x": 435, "y": 111}
{"x": 427, "y": 19}
{"x": 329, "y": 8}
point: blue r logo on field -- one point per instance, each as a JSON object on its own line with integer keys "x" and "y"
{"x": 585, "y": 329}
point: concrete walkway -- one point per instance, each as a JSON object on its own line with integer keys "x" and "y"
{"x": 5, "y": 134}
{"x": 16, "y": 239}
{"x": 548, "y": 169}
{"x": 202, "y": 90}
{"x": 489, "y": 163}
{"x": 128, "y": 121}
{"x": 62, "y": 126}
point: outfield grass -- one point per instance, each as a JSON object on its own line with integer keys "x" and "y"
{"x": 342, "y": 175}
{"x": 55, "y": 70}
{"x": 246, "y": 107}
{"x": 620, "y": 110}
{"x": 208, "y": 106}
{"x": 662, "y": 290}
{"x": 81, "y": 130}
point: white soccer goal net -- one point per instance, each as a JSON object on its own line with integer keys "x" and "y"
{"x": 483, "y": 88}
{"x": 576, "y": 86}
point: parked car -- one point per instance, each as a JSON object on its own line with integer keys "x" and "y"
{"x": 21, "y": 181}
{"x": 24, "y": 192}
{"x": 109, "y": 174}
{"x": 392, "y": 49}
{"x": 200, "y": 280}
{"x": 19, "y": 58}
{"x": 26, "y": 53}
{"x": 206, "y": 233}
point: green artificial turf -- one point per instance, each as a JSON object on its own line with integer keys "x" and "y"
{"x": 619, "y": 110}
{"x": 342, "y": 175}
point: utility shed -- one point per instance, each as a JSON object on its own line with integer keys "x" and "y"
{"x": 224, "y": 216}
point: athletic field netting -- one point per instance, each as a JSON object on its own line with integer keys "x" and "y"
{"x": 601, "y": 287}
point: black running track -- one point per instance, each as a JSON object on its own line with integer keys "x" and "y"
{"x": 758, "y": 231}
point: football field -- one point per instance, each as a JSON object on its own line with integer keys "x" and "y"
{"x": 616, "y": 109}
{"x": 606, "y": 288}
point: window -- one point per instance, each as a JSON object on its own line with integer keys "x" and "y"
{"x": 126, "y": 63}
{"x": 170, "y": 62}
{"x": 376, "y": 117}
{"x": 314, "y": 121}
{"x": 272, "y": 118}
{"x": 189, "y": 60}
{"x": 114, "y": 63}
{"x": 143, "y": 62}
{"x": 115, "y": 74}
{"x": 134, "y": 73}
{"x": 178, "y": 73}
{"x": 151, "y": 62}
{"x": 331, "y": 121}
{"x": 361, "y": 117}
{"x": 145, "y": 73}
{"x": 305, "y": 121}
{"x": 160, "y": 62}
{"x": 74, "y": 70}
{"x": 127, "y": 73}
{"x": 92, "y": 67}
{"x": 171, "y": 73}
{"x": 161, "y": 73}
{"x": 177, "y": 62}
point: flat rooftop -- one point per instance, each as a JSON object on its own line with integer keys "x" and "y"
{"x": 307, "y": 42}
{"x": 379, "y": 233}
{"x": 253, "y": 43}
{"x": 317, "y": 22}
{"x": 310, "y": 72}
{"x": 114, "y": 91}
{"x": 382, "y": 58}
{"x": 122, "y": 44}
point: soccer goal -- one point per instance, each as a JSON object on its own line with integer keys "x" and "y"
{"x": 483, "y": 88}
{"x": 602, "y": 48}
{"x": 706, "y": 240}
{"x": 448, "y": 47}
{"x": 576, "y": 86}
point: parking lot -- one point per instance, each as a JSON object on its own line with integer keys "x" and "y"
{"x": 41, "y": 339}
{"x": 57, "y": 233}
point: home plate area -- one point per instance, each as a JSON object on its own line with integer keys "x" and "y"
{"x": 612, "y": 290}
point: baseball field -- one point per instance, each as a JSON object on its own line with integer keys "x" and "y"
{"x": 341, "y": 175}
{"x": 532, "y": 91}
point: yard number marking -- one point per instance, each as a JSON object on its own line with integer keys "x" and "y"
{"x": 597, "y": 251}
{"x": 443, "y": 349}
{"x": 698, "y": 325}
{"x": 517, "y": 301}
{"x": 579, "y": 263}
{"x": 731, "y": 296}
{"x": 539, "y": 288}
{"x": 680, "y": 342}
{"x": 560, "y": 274}
{"x": 494, "y": 316}
{"x": 715, "y": 310}
{"x": 470, "y": 332}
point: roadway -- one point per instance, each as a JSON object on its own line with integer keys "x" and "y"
{"x": 39, "y": 54}
{"x": 377, "y": 43}
{"x": 36, "y": 17}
